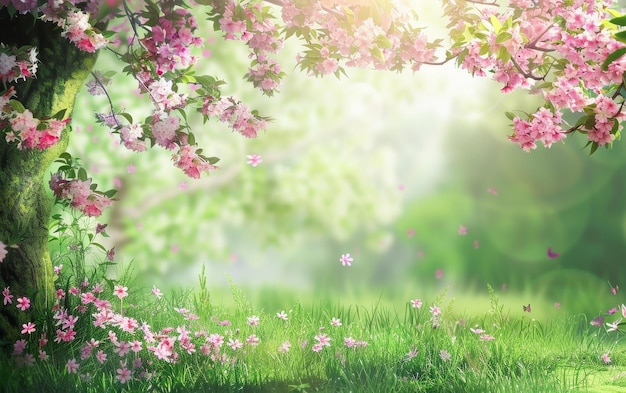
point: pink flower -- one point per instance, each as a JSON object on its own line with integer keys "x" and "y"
{"x": 253, "y": 320}
{"x": 19, "y": 346}
{"x": 346, "y": 259}
{"x": 284, "y": 347}
{"x": 416, "y": 303}
{"x": 28, "y": 328}
{"x": 282, "y": 315}
{"x": 8, "y": 298}
{"x": 123, "y": 375}
{"x": 445, "y": 356}
{"x": 254, "y": 159}
{"x": 439, "y": 274}
{"x": 101, "y": 356}
{"x": 323, "y": 339}
{"x": 477, "y": 330}
{"x": 234, "y": 344}
{"x": 435, "y": 310}
{"x": 72, "y": 366}
{"x": 335, "y": 322}
{"x": 57, "y": 269}
{"x": 605, "y": 358}
{"x": 487, "y": 337}
{"x": 120, "y": 291}
{"x": 23, "y": 303}
{"x": 462, "y": 230}
{"x": 252, "y": 340}
{"x": 157, "y": 292}
{"x": 613, "y": 326}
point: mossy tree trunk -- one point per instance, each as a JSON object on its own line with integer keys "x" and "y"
{"x": 24, "y": 202}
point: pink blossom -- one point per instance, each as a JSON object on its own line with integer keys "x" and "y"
{"x": 28, "y": 328}
{"x": 8, "y": 298}
{"x": 346, "y": 259}
{"x": 19, "y": 346}
{"x": 157, "y": 292}
{"x": 120, "y": 291}
{"x": 23, "y": 303}
{"x": 605, "y": 358}
{"x": 253, "y": 320}
{"x": 416, "y": 303}
{"x": 254, "y": 159}
{"x": 282, "y": 315}
{"x": 335, "y": 322}
{"x": 284, "y": 347}
{"x": 435, "y": 310}
{"x": 72, "y": 366}
{"x": 123, "y": 374}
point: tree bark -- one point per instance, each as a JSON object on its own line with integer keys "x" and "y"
{"x": 24, "y": 202}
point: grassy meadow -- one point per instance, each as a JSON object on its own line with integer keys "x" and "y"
{"x": 109, "y": 334}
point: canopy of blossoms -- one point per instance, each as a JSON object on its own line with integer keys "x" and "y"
{"x": 567, "y": 51}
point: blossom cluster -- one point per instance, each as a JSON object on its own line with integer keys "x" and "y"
{"x": 553, "y": 48}
{"x": 234, "y": 113}
{"x": 358, "y": 34}
{"x": 17, "y": 63}
{"x": 252, "y": 23}
{"x": 75, "y": 23}
{"x": 22, "y": 127}
{"x": 80, "y": 194}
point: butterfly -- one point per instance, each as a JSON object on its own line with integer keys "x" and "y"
{"x": 552, "y": 254}
{"x": 526, "y": 308}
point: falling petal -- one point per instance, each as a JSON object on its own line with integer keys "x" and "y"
{"x": 492, "y": 191}
{"x": 410, "y": 232}
{"x": 552, "y": 254}
{"x": 462, "y": 230}
{"x": 400, "y": 187}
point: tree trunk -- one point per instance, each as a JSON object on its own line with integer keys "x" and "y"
{"x": 24, "y": 203}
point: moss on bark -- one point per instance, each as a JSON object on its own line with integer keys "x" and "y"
{"x": 24, "y": 203}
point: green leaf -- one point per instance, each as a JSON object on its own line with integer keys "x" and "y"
{"x": 495, "y": 22}
{"x": 82, "y": 174}
{"x": 620, "y": 36}
{"x": 620, "y": 20}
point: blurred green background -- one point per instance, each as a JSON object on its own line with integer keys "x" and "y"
{"x": 386, "y": 167}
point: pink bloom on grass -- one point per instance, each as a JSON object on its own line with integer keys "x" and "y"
{"x": 435, "y": 310}
{"x": 439, "y": 274}
{"x": 120, "y": 291}
{"x": 611, "y": 311}
{"x": 335, "y": 322}
{"x": 323, "y": 339}
{"x": 23, "y": 303}
{"x": 157, "y": 292}
{"x": 445, "y": 355}
{"x": 282, "y": 315}
{"x": 57, "y": 269}
{"x": 284, "y": 347}
{"x": 8, "y": 298}
{"x": 254, "y": 159}
{"x": 613, "y": 326}
{"x": 346, "y": 260}
{"x": 487, "y": 337}
{"x": 253, "y": 320}
{"x": 252, "y": 340}
{"x": 234, "y": 344}
{"x": 416, "y": 303}
{"x": 477, "y": 330}
{"x": 317, "y": 347}
{"x": 28, "y": 328}
{"x": 123, "y": 375}
{"x": 597, "y": 321}
{"x": 605, "y": 358}
{"x": 19, "y": 346}
{"x": 72, "y": 366}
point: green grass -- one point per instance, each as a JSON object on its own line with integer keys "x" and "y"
{"x": 395, "y": 347}
{"x": 560, "y": 354}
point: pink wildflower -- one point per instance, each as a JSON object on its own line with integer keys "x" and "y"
{"x": 416, "y": 303}
{"x": 335, "y": 322}
{"x": 253, "y": 320}
{"x": 254, "y": 159}
{"x": 282, "y": 315}
{"x": 346, "y": 260}
{"x": 605, "y": 358}
{"x": 72, "y": 366}
{"x": 120, "y": 291}
{"x": 284, "y": 347}
{"x": 23, "y": 303}
{"x": 8, "y": 298}
{"x": 28, "y": 328}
